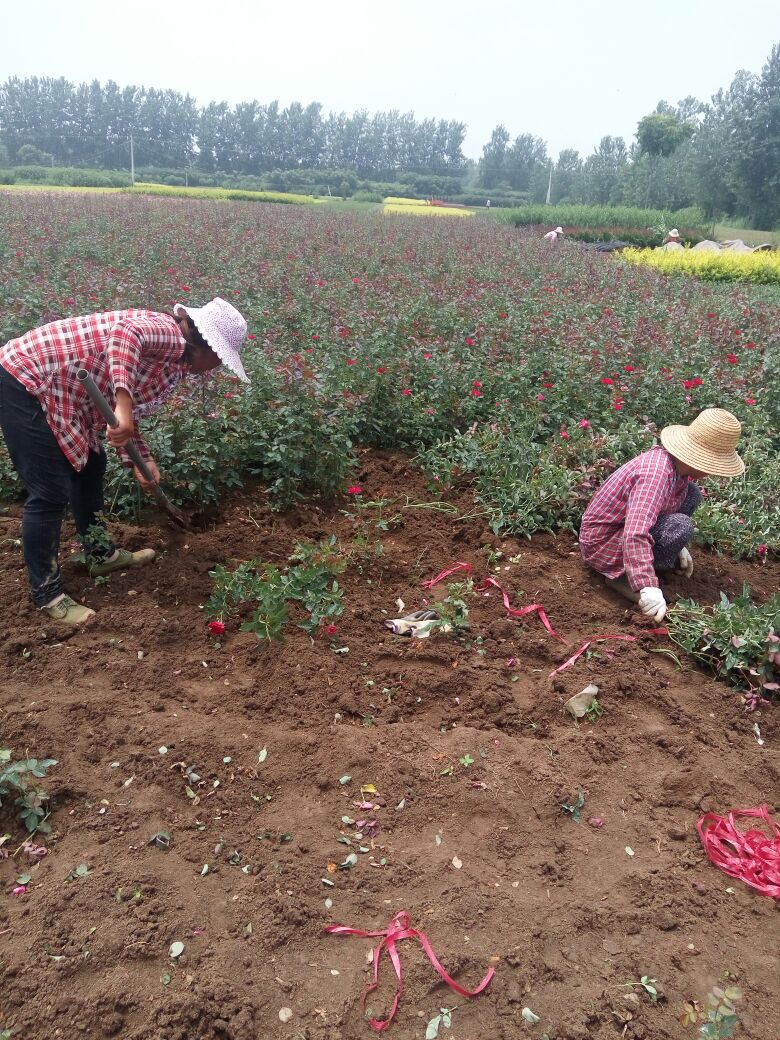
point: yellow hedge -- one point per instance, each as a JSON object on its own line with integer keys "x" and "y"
{"x": 223, "y": 194}
{"x": 427, "y": 211}
{"x": 761, "y": 267}
{"x": 392, "y": 201}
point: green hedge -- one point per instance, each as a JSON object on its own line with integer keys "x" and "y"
{"x": 605, "y": 216}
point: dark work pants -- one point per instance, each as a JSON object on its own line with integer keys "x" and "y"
{"x": 673, "y": 532}
{"x": 52, "y": 483}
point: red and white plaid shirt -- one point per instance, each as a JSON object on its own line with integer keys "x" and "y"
{"x": 140, "y": 351}
{"x": 615, "y": 533}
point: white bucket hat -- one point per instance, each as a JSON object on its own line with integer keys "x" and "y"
{"x": 559, "y": 231}
{"x": 674, "y": 233}
{"x": 223, "y": 328}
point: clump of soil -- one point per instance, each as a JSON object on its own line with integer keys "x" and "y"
{"x": 470, "y": 751}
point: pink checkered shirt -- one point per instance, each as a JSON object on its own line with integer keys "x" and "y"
{"x": 140, "y": 351}
{"x": 615, "y": 533}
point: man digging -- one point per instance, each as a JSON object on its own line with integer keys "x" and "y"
{"x": 638, "y": 524}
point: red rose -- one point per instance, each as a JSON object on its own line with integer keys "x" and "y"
{"x": 217, "y": 627}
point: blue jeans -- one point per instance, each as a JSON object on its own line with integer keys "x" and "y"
{"x": 52, "y": 483}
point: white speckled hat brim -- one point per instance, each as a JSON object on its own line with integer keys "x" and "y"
{"x": 204, "y": 320}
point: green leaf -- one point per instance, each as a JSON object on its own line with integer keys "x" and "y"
{"x": 432, "y": 1030}
{"x": 262, "y": 756}
{"x": 24, "y": 879}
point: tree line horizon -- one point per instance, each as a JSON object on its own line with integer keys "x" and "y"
{"x": 722, "y": 156}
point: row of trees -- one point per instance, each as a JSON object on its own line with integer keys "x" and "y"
{"x": 723, "y": 156}
{"x": 90, "y": 124}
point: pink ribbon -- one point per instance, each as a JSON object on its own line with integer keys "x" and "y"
{"x": 538, "y": 609}
{"x": 533, "y": 608}
{"x": 445, "y": 574}
{"x": 751, "y": 856}
{"x": 601, "y": 639}
{"x": 400, "y": 928}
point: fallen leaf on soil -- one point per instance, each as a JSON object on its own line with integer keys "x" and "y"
{"x": 578, "y": 704}
{"x": 176, "y": 950}
{"x": 457, "y": 863}
{"x": 263, "y": 755}
{"x": 529, "y": 1016}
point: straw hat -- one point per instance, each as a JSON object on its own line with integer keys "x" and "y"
{"x": 674, "y": 233}
{"x": 559, "y": 231}
{"x": 223, "y": 328}
{"x": 708, "y": 444}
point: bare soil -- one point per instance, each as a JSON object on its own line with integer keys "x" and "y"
{"x": 561, "y": 910}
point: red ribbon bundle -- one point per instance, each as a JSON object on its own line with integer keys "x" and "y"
{"x": 400, "y": 928}
{"x": 751, "y": 856}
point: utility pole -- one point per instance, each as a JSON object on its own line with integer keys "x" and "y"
{"x": 132, "y": 162}
{"x": 549, "y": 187}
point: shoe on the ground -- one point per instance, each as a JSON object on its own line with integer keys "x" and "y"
{"x": 68, "y": 611}
{"x": 621, "y": 585}
{"x": 121, "y": 562}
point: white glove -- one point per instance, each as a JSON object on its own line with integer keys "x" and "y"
{"x": 685, "y": 563}
{"x": 652, "y": 603}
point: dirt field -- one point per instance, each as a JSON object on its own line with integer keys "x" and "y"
{"x": 560, "y": 909}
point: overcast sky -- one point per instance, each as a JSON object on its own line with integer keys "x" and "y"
{"x": 568, "y": 71}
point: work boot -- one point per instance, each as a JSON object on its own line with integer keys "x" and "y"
{"x": 621, "y": 585}
{"x": 68, "y": 611}
{"x": 121, "y": 561}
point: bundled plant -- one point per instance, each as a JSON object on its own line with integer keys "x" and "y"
{"x": 738, "y": 639}
{"x": 19, "y": 787}
{"x": 311, "y": 582}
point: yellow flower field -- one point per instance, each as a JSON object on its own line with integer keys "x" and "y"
{"x": 232, "y": 194}
{"x": 761, "y": 267}
{"x": 426, "y": 211}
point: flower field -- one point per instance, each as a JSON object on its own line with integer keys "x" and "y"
{"x": 423, "y": 394}
{"x": 474, "y": 348}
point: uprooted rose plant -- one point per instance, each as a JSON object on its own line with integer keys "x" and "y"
{"x": 737, "y": 638}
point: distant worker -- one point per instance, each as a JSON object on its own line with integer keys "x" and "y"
{"x": 488, "y": 203}
{"x": 553, "y": 236}
{"x": 638, "y": 524}
{"x": 673, "y": 236}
